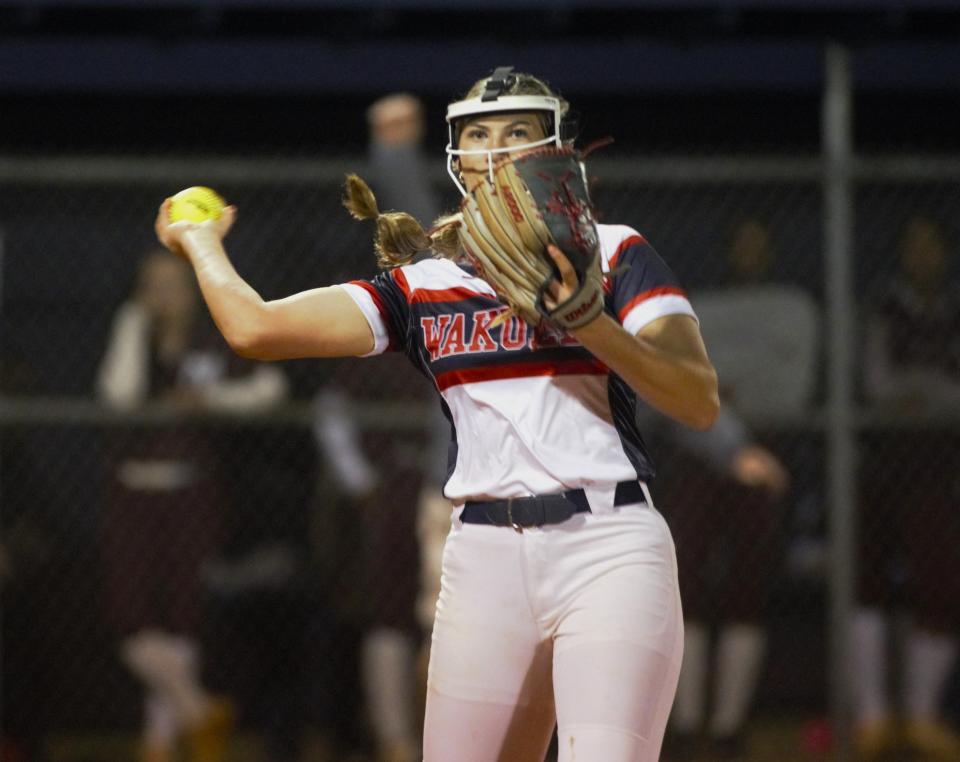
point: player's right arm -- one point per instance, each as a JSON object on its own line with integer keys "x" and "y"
{"x": 322, "y": 322}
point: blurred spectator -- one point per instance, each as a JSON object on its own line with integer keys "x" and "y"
{"x": 383, "y": 499}
{"x": 400, "y": 178}
{"x": 397, "y": 167}
{"x": 401, "y": 175}
{"x": 166, "y": 506}
{"x": 763, "y": 336}
{"x": 911, "y": 493}
{"x": 726, "y": 510}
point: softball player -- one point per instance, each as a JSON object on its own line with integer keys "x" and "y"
{"x": 559, "y": 599}
{"x": 165, "y": 503}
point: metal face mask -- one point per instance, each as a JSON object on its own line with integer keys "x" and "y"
{"x": 494, "y": 102}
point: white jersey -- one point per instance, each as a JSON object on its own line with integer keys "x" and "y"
{"x": 532, "y": 411}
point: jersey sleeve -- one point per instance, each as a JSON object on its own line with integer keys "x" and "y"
{"x": 643, "y": 287}
{"x": 384, "y": 302}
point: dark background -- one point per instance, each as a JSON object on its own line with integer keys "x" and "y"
{"x": 292, "y": 78}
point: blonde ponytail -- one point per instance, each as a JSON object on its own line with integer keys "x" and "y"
{"x": 399, "y": 236}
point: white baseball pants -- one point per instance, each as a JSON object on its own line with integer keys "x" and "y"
{"x": 578, "y": 623}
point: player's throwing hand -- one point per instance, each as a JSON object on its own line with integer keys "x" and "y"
{"x": 171, "y": 234}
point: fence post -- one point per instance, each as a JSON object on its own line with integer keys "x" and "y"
{"x": 841, "y": 465}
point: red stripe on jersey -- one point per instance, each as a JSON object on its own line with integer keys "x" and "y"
{"x": 521, "y": 370}
{"x": 446, "y": 295}
{"x": 374, "y": 294}
{"x": 652, "y": 293}
{"x": 401, "y": 280}
{"x": 626, "y": 243}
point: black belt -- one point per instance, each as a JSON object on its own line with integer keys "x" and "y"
{"x": 535, "y": 511}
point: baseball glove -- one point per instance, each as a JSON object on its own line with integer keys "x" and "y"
{"x": 535, "y": 199}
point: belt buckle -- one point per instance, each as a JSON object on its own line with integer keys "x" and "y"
{"x": 516, "y": 527}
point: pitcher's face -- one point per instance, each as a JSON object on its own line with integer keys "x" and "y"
{"x": 490, "y": 132}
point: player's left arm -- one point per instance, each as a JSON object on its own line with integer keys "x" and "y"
{"x": 665, "y": 363}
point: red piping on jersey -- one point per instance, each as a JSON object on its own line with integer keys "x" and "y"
{"x": 626, "y": 243}
{"x": 521, "y": 370}
{"x": 401, "y": 280}
{"x": 446, "y": 295}
{"x": 374, "y": 294}
{"x": 652, "y": 293}
{"x": 421, "y": 295}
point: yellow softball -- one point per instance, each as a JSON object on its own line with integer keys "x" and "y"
{"x": 196, "y": 204}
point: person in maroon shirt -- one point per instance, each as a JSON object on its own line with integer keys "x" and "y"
{"x": 165, "y": 502}
{"x": 911, "y": 492}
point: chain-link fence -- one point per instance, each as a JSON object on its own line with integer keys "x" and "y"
{"x": 267, "y": 543}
